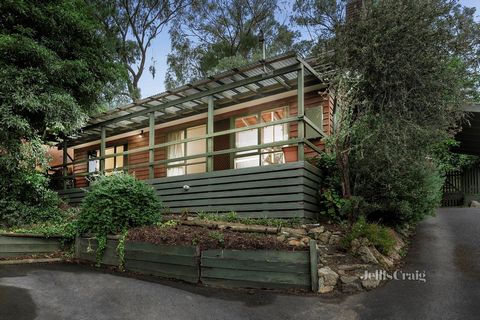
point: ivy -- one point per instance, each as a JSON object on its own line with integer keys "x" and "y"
{"x": 121, "y": 250}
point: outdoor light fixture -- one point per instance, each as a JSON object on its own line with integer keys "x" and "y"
{"x": 141, "y": 134}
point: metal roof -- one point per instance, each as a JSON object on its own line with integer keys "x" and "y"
{"x": 253, "y": 81}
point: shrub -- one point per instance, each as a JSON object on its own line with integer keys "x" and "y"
{"x": 26, "y": 199}
{"x": 117, "y": 202}
{"x": 378, "y": 235}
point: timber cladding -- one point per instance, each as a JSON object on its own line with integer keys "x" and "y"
{"x": 220, "y": 268}
{"x": 25, "y": 245}
{"x": 275, "y": 191}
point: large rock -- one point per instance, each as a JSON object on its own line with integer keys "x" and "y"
{"x": 334, "y": 239}
{"x": 474, "y": 204}
{"x": 315, "y": 232}
{"x": 367, "y": 254}
{"x": 324, "y": 237}
{"x": 350, "y": 284}
{"x": 327, "y": 279}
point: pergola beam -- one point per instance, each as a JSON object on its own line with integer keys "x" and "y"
{"x": 198, "y": 95}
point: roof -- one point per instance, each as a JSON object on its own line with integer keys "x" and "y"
{"x": 253, "y": 81}
{"x": 469, "y": 137}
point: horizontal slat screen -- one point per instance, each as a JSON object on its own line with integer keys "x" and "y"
{"x": 280, "y": 191}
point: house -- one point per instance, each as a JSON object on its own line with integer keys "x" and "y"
{"x": 237, "y": 141}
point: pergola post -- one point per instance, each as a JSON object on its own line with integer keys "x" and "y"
{"x": 103, "y": 144}
{"x": 65, "y": 159}
{"x": 210, "y": 131}
{"x": 301, "y": 112}
{"x": 151, "y": 144}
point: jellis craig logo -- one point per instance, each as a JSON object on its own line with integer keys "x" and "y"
{"x": 382, "y": 275}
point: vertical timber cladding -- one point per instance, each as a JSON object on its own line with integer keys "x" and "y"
{"x": 280, "y": 191}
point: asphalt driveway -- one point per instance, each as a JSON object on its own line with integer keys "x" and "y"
{"x": 446, "y": 247}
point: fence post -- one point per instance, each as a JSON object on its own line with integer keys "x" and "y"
{"x": 313, "y": 265}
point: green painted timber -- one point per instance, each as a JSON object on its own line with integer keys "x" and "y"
{"x": 256, "y": 269}
{"x": 277, "y": 191}
{"x": 222, "y": 268}
{"x": 17, "y": 246}
{"x": 86, "y": 249}
{"x": 174, "y": 262}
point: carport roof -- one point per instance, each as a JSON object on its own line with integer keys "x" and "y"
{"x": 469, "y": 137}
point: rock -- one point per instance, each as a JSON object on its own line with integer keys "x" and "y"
{"x": 327, "y": 279}
{"x": 351, "y": 267}
{"x": 324, "y": 237}
{"x": 355, "y": 244}
{"x": 367, "y": 255}
{"x": 381, "y": 259}
{"x": 348, "y": 279}
{"x": 394, "y": 255}
{"x": 315, "y": 232}
{"x": 325, "y": 289}
{"x": 334, "y": 239}
{"x": 296, "y": 243}
{"x": 282, "y": 238}
{"x": 386, "y": 262}
{"x": 328, "y": 276}
{"x": 295, "y": 232}
{"x": 474, "y": 204}
{"x": 350, "y": 284}
{"x": 370, "y": 283}
{"x": 305, "y": 240}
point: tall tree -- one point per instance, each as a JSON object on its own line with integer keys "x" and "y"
{"x": 213, "y": 35}
{"x": 135, "y": 24}
{"x": 404, "y": 69}
{"x": 57, "y": 68}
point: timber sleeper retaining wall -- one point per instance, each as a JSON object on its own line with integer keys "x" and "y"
{"x": 267, "y": 269}
{"x": 18, "y": 245}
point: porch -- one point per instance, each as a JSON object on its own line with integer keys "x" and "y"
{"x": 235, "y": 142}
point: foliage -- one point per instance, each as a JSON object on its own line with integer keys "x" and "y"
{"x": 118, "y": 202}
{"x": 217, "y": 236}
{"x": 134, "y": 25}
{"x": 56, "y": 70}
{"x": 212, "y": 35}
{"x": 121, "y": 250}
{"x": 379, "y": 236}
{"x": 232, "y": 217}
{"x": 446, "y": 160}
{"x": 404, "y": 72}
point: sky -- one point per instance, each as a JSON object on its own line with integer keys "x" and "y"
{"x": 161, "y": 48}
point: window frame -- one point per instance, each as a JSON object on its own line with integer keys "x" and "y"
{"x": 257, "y": 152}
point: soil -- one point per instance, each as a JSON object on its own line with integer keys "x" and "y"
{"x": 207, "y": 238}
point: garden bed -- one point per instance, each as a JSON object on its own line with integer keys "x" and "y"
{"x": 208, "y": 239}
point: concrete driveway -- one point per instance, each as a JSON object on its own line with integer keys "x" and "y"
{"x": 446, "y": 247}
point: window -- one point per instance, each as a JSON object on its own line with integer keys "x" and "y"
{"x": 269, "y": 134}
{"x": 185, "y": 149}
{"x": 111, "y": 163}
{"x": 315, "y": 114}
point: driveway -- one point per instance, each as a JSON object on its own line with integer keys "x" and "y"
{"x": 446, "y": 247}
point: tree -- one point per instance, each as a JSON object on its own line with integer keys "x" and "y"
{"x": 57, "y": 69}
{"x": 135, "y": 24}
{"x": 404, "y": 72}
{"x": 213, "y": 35}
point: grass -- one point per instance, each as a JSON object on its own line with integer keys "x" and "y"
{"x": 233, "y": 217}
{"x": 378, "y": 235}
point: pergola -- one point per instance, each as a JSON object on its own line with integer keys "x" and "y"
{"x": 257, "y": 80}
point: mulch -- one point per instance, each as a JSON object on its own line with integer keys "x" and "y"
{"x": 207, "y": 238}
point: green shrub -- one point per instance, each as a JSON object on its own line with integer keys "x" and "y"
{"x": 117, "y": 202}
{"x": 26, "y": 199}
{"x": 378, "y": 235}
